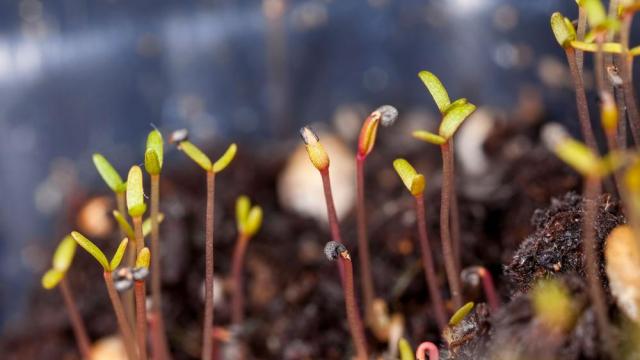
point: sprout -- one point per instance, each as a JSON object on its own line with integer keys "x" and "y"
{"x": 317, "y": 154}
{"x": 108, "y": 173}
{"x": 135, "y": 193}
{"x": 385, "y": 115}
{"x": 413, "y": 181}
{"x": 248, "y": 218}
{"x": 97, "y": 254}
{"x": 461, "y": 313}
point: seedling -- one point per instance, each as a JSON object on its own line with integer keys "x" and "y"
{"x": 593, "y": 169}
{"x": 385, "y": 115}
{"x": 337, "y": 251}
{"x": 487, "y": 284}
{"x": 460, "y": 314}
{"x": 429, "y": 348}
{"x": 415, "y": 183}
{"x": 139, "y": 275}
{"x": 249, "y": 220}
{"x": 62, "y": 258}
{"x": 211, "y": 169}
{"x": 453, "y": 115}
{"x": 108, "y": 267}
{"x": 553, "y": 306}
{"x": 153, "y": 160}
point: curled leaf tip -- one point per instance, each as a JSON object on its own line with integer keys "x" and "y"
{"x": 429, "y": 137}
{"x": 461, "y": 313}
{"x": 144, "y": 258}
{"x": 195, "y": 154}
{"x": 225, "y": 159}
{"x": 92, "y": 249}
{"x": 108, "y": 173}
{"x": 135, "y": 192}
{"x": 413, "y": 181}
{"x": 388, "y": 115}
{"x": 385, "y": 115}
{"x": 63, "y": 256}
{"x": 318, "y": 156}
{"x": 436, "y": 89}
{"x": 52, "y": 278}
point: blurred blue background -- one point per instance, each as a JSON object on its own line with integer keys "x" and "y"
{"x": 78, "y": 76}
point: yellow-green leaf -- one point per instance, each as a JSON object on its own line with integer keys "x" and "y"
{"x": 318, "y": 156}
{"x": 413, "y": 181}
{"x": 146, "y": 224}
{"x": 144, "y": 258}
{"x": 436, "y": 89}
{"x": 195, "y": 154}
{"x": 135, "y": 192}
{"x": 243, "y": 205}
{"x": 225, "y": 159}
{"x": 454, "y": 118}
{"x": 553, "y": 305}
{"x": 152, "y": 162}
{"x": 461, "y": 313}
{"x": 608, "y": 47}
{"x": 406, "y": 352}
{"x": 579, "y": 157}
{"x": 63, "y": 256}
{"x": 596, "y": 14}
{"x": 52, "y": 278}
{"x": 124, "y": 224}
{"x": 92, "y": 249}
{"x": 563, "y": 30}
{"x": 108, "y": 173}
{"x": 253, "y": 221}
{"x": 117, "y": 257}
{"x": 429, "y": 137}
{"x": 155, "y": 143}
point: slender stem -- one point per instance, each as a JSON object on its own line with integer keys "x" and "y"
{"x": 129, "y": 302}
{"x": 353, "y": 314}
{"x": 599, "y": 64}
{"x": 445, "y": 232}
{"x": 159, "y": 339}
{"x": 125, "y": 330}
{"x": 331, "y": 209}
{"x": 626, "y": 72}
{"x": 580, "y": 33}
{"x": 429, "y": 268}
{"x": 368, "y": 289}
{"x": 592, "y": 260}
{"x": 141, "y": 319}
{"x": 79, "y": 330}
{"x": 137, "y": 228}
{"x": 489, "y": 288}
{"x": 207, "y": 341}
{"x": 581, "y": 101}
{"x": 427, "y": 347}
{"x": 237, "y": 303}
{"x": 455, "y": 211}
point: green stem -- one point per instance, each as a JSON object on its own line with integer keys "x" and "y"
{"x": 125, "y": 330}
{"x": 453, "y": 275}
{"x": 141, "y": 319}
{"x": 428, "y": 265}
{"x": 368, "y": 289}
{"x": 79, "y": 330}
{"x": 207, "y": 341}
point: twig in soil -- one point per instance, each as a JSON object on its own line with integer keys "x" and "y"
{"x": 385, "y": 115}
{"x": 453, "y": 115}
{"x": 249, "y": 220}
{"x": 337, "y": 251}
{"x": 488, "y": 285}
{"x": 62, "y": 258}
{"x": 211, "y": 169}
{"x": 415, "y": 183}
{"x": 429, "y": 348}
{"x": 108, "y": 267}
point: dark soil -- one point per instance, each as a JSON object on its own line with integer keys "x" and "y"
{"x": 295, "y": 307}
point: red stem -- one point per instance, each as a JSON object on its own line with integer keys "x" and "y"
{"x": 353, "y": 314}
{"x": 429, "y": 268}
{"x": 368, "y": 289}
{"x": 207, "y": 341}
{"x": 455, "y": 212}
{"x": 590, "y": 198}
{"x": 125, "y": 330}
{"x": 581, "y": 101}
{"x": 130, "y": 259}
{"x": 489, "y": 288}
{"x": 626, "y": 72}
{"x": 141, "y": 319}
{"x": 237, "y": 304}
{"x": 445, "y": 232}
{"x": 427, "y": 347}
{"x": 331, "y": 209}
{"x": 79, "y": 330}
